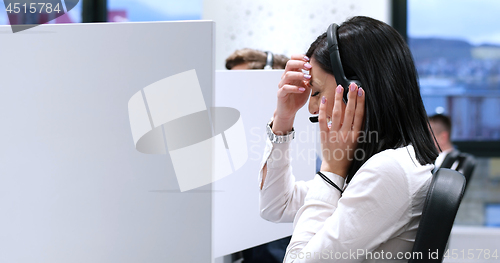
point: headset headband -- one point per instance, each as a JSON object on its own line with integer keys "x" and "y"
{"x": 269, "y": 60}
{"x": 333, "y": 49}
{"x": 336, "y": 63}
{"x": 338, "y": 71}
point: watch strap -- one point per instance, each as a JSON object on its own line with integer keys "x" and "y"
{"x": 279, "y": 138}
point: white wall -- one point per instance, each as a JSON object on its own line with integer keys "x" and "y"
{"x": 283, "y": 27}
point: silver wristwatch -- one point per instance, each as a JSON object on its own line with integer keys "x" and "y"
{"x": 279, "y": 138}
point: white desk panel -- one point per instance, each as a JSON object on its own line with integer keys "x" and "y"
{"x": 236, "y": 219}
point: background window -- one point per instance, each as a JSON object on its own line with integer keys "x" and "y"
{"x": 456, "y": 46}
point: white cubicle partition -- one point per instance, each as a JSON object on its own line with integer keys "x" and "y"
{"x": 73, "y": 187}
{"x": 236, "y": 219}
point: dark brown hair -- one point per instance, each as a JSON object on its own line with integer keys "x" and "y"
{"x": 376, "y": 54}
{"x": 444, "y": 120}
{"x": 256, "y": 59}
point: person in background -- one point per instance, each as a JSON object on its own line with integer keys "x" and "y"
{"x": 272, "y": 252}
{"x": 248, "y": 58}
{"x": 441, "y": 127}
{"x": 449, "y": 156}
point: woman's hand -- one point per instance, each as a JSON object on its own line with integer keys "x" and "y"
{"x": 293, "y": 93}
{"x": 339, "y": 140}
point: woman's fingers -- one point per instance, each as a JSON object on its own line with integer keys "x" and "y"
{"x": 351, "y": 107}
{"x": 297, "y": 63}
{"x": 299, "y": 57}
{"x": 360, "y": 110}
{"x": 294, "y": 77}
{"x": 322, "y": 119}
{"x": 337, "y": 109}
{"x": 287, "y": 89}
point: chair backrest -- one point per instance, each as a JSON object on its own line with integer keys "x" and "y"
{"x": 441, "y": 205}
{"x": 450, "y": 159}
{"x": 467, "y": 164}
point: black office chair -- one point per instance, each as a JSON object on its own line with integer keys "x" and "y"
{"x": 466, "y": 165}
{"x": 440, "y": 208}
{"x": 450, "y": 159}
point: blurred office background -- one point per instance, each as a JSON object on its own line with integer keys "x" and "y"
{"x": 456, "y": 46}
{"x": 284, "y": 27}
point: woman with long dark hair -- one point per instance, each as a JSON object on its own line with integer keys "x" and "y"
{"x": 378, "y": 152}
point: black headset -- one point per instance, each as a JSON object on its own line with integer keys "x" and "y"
{"x": 269, "y": 60}
{"x": 338, "y": 71}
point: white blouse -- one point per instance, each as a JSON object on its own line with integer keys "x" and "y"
{"x": 375, "y": 219}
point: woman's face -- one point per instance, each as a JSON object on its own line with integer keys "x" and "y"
{"x": 322, "y": 84}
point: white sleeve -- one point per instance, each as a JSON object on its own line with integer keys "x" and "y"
{"x": 374, "y": 206}
{"x": 280, "y": 195}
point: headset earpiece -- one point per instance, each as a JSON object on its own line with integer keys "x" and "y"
{"x": 346, "y": 89}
